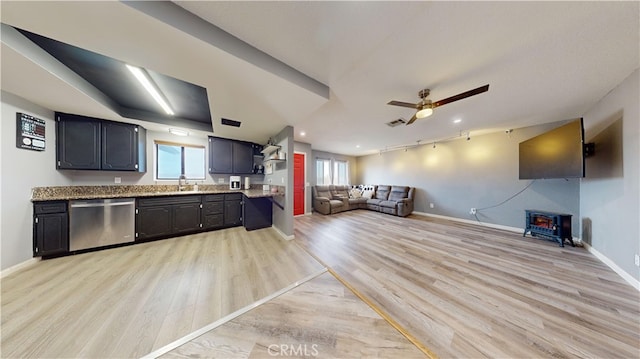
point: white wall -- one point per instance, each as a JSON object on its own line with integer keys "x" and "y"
{"x": 610, "y": 194}
{"x": 458, "y": 175}
{"x": 21, "y": 170}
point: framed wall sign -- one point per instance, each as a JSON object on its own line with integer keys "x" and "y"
{"x": 30, "y": 132}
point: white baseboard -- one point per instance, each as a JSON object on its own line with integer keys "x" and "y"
{"x": 469, "y": 221}
{"x": 17, "y": 267}
{"x": 626, "y": 276}
{"x": 284, "y": 236}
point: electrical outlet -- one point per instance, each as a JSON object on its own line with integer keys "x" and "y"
{"x": 221, "y": 180}
{"x": 472, "y": 211}
{"x": 117, "y": 180}
{"x": 637, "y": 260}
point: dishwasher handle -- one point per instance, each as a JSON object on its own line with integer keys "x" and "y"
{"x": 101, "y": 204}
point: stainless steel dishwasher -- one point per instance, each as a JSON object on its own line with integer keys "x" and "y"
{"x": 101, "y": 222}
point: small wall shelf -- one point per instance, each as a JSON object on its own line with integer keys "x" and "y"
{"x": 268, "y": 149}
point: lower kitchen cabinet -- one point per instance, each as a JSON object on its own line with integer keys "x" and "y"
{"x": 167, "y": 216}
{"x": 50, "y": 229}
{"x": 212, "y": 211}
{"x": 257, "y": 213}
{"x": 233, "y": 209}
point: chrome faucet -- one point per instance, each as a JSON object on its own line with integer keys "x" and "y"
{"x": 182, "y": 182}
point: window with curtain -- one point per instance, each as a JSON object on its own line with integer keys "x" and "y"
{"x": 340, "y": 172}
{"x": 329, "y": 171}
{"x": 323, "y": 171}
{"x": 174, "y": 159}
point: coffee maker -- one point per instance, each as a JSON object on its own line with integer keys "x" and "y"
{"x": 234, "y": 182}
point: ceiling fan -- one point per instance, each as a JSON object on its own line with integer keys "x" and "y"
{"x": 425, "y": 107}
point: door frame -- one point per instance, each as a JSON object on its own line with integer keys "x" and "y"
{"x": 306, "y": 201}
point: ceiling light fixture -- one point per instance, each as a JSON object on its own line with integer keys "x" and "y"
{"x": 457, "y": 120}
{"x": 302, "y": 133}
{"x": 143, "y": 77}
{"x": 426, "y": 110}
{"x": 178, "y": 132}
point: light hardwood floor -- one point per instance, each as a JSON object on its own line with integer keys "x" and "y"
{"x": 320, "y": 318}
{"x": 469, "y": 292}
{"x": 126, "y": 302}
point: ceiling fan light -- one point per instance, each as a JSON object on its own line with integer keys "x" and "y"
{"x": 424, "y": 112}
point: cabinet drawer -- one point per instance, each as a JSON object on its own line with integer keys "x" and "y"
{"x": 161, "y": 201}
{"x": 213, "y": 207}
{"x": 213, "y": 197}
{"x": 213, "y": 221}
{"x": 233, "y": 197}
{"x": 50, "y": 207}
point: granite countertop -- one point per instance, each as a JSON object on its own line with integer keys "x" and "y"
{"x": 58, "y": 193}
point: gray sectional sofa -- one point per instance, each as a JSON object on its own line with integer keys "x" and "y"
{"x": 395, "y": 200}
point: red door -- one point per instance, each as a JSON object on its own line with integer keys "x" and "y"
{"x": 298, "y": 184}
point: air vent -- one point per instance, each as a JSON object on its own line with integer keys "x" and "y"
{"x": 397, "y": 122}
{"x": 228, "y": 122}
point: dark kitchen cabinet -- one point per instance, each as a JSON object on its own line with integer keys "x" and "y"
{"x": 86, "y": 143}
{"x": 122, "y": 146}
{"x": 213, "y": 211}
{"x": 242, "y": 157}
{"x": 230, "y": 157}
{"x": 233, "y": 209}
{"x": 167, "y": 216}
{"x": 77, "y": 142}
{"x": 50, "y": 228}
{"x": 257, "y": 213}
{"x": 220, "y": 155}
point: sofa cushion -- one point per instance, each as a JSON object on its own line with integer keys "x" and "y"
{"x": 398, "y": 193}
{"x": 340, "y": 191}
{"x": 382, "y": 192}
{"x": 323, "y": 191}
{"x": 336, "y": 203}
{"x": 374, "y": 201}
{"x": 390, "y": 204}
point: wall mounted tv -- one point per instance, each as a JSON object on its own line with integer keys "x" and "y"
{"x": 558, "y": 153}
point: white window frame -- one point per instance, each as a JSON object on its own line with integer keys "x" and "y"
{"x": 182, "y": 164}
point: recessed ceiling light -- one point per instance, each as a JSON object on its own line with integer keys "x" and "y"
{"x": 302, "y": 133}
{"x": 457, "y": 120}
{"x": 178, "y": 132}
{"x": 357, "y": 146}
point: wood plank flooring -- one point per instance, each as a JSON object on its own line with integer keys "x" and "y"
{"x": 126, "y": 302}
{"x": 470, "y": 292}
{"x": 320, "y": 318}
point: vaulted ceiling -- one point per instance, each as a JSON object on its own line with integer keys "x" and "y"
{"x": 329, "y": 68}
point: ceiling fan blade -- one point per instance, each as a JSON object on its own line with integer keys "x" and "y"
{"x": 403, "y": 104}
{"x": 412, "y": 120}
{"x": 461, "y": 96}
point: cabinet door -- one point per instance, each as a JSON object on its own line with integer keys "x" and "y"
{"x": 51, "y": 234}
{"x": 257, "y": 213}
{"x": 232, "y": 212}
{"x": 186, "y": 217}
{"x": 119, "y": 146}
{"x": 220, "y": 155}
{"x": 242, "y": 157}
{"x": 77, "y": 142}
{"x": 153, "y": 222}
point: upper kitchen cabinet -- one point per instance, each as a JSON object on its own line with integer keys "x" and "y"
{"x": 77, "y": 142}
{"x": 86, "y": 143}
{"x": 122, "y": 144}
{"x": 230, "y": 157}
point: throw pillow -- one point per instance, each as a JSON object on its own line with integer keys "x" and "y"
{"x": 367, "y": 193}
{"x": 355, "y": 193}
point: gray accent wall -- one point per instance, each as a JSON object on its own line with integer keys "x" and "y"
{"x": 21, "y": 170}
{"x": 480, "y": 173}
{"x": 283, "y": 176}
{"x": 610, "y": 194}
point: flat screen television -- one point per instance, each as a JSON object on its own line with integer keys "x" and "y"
{"x": 558, "y": 153}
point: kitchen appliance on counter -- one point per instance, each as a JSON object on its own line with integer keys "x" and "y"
{"x": 101, "y": 222}
{"x": 234, "y": 182}
{"x": 247, "y": 183}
